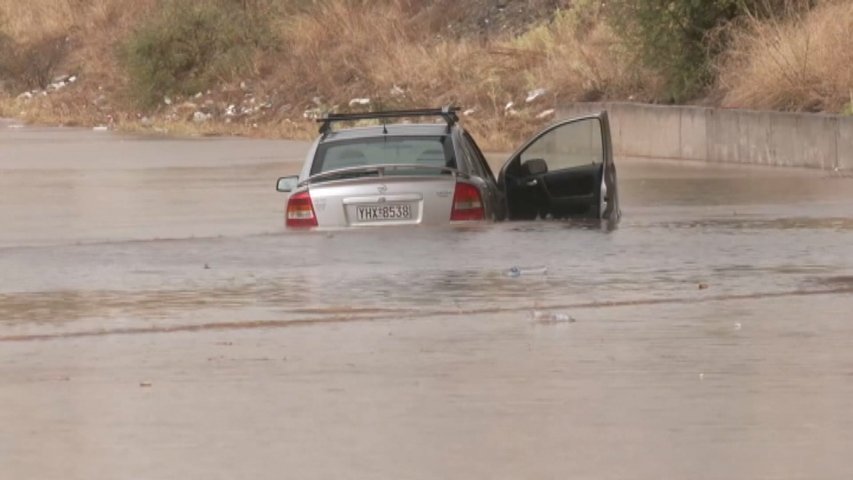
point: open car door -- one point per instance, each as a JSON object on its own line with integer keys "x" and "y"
{"x": 564, "y": 171}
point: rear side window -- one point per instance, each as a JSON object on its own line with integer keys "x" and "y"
{"x": 386, "y": 150}
{"x": 477, "y": 157}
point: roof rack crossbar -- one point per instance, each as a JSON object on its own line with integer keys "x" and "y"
{"x": 447, "y": 113}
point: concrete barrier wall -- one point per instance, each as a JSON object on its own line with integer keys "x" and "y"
{"x": 730, "y": 136}
{"x": 845, "y": 143}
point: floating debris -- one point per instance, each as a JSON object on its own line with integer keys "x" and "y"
{"x": 519, "y": 271}
{"x": 359, "y": 101}
{"x": 550, "y": 318}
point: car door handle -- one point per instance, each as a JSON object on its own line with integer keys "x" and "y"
{"x": 532, "y": 183}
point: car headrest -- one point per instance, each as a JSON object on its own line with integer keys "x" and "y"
{"x": 432, "y": 156}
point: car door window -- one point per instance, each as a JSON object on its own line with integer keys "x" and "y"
{"x": 569, "y": 145}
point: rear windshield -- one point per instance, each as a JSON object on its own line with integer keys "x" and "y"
{"x": 387, "y": 150}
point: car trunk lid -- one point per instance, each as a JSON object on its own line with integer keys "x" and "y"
{"x": 387, "y": 200}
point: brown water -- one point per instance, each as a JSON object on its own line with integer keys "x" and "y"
{"x": 156, "y": 321}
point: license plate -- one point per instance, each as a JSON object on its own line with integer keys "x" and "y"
{"x": 391, "y": 211}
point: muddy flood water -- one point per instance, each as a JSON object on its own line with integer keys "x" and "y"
{"x": 157, "y": 322}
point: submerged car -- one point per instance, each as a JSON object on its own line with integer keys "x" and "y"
{"x": 434, "y": 174}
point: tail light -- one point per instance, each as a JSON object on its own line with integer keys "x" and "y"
{"x": 300, "y": 212}
{"x": 467, "y": 203}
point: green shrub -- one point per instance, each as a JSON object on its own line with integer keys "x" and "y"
{"x": 682, "y": 38}
{"x": 189, "y": 46}
{"x": 672, "y": 37}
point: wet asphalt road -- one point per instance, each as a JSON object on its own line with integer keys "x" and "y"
{"x": 157, "y": 322}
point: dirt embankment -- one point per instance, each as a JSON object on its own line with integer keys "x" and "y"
{"x": 266, "y": 68}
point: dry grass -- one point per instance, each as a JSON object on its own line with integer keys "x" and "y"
{"x": 91, "y": 30}
{"x": 409, "y": 53}
{"x": 391, "y": 48}
{"x": 395, "y": 52}
{"x": 802, "y": 64}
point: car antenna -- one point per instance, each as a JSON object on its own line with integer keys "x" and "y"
{"x": 384, "y": 120}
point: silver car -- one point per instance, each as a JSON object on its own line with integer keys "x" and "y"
{"x": 434, "y": 174}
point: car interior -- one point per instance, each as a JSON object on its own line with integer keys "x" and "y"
{"x": 534, "y": 191}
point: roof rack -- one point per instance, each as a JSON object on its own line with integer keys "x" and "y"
{"x": 448, "y": 113}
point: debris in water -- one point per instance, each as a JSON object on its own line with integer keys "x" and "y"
{"x": 145, "y": 384}
{"x": 206, "y": 266}
{"x": 359, "y": 101}
{"x": 738, "y": 326}
{"x": 519, "y": 271}
{"x": 548, "y": 318}
{"x": 701, "y": 377}
{"x": 703, "y": 286}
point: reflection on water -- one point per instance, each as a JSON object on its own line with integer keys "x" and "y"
{"x": 284, "y": 275}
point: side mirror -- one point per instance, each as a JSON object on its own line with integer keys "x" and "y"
{"x": 534, "y": 166}
{"x": 287, "y": 184}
